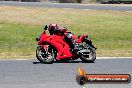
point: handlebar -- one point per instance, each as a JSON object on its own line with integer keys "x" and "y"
{"x": 46, "y": 27}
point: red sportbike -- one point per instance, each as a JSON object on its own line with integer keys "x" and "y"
{"x": 55, "y": 48}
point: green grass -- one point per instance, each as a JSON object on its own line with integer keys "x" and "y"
{"x": 111, "y": 31}
{"x": 17, "y": 38}
{"x": 90, "y": 1}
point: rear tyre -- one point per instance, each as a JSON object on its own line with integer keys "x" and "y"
{"x": 45, "y": 56}
{"x": 88, "y": 56}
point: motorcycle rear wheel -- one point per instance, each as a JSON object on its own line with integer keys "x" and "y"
{"x": 90, "y": 57}
{"x": 44, "y": 56}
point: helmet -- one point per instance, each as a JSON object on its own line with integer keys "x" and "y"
{"x": 53, "y": 28}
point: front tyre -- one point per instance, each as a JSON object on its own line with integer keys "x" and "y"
{"x": 45, "y": 56}
{"x": 89, "y": 55}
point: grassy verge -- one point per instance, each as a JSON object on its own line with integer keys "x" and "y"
{"x": 110, "y": 30}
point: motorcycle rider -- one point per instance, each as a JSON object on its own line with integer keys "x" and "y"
{"x": 62, "y": 31}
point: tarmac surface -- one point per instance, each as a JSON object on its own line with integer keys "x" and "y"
{"x": 65, "y": 5}
{"x": 32, "y": 74}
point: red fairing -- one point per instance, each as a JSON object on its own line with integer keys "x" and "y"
{"x": 58, "y": 43}
{"x": 42, "y": 37}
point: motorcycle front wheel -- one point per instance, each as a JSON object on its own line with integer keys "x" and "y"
{"x": 45, "y": 56}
